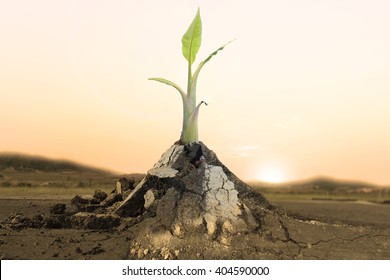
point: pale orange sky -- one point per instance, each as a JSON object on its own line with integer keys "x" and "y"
{"x": 303, "y": 91}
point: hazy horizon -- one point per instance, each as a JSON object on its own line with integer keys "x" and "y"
{"x": 303, "y": 92}
{"x": 116, "y": 172}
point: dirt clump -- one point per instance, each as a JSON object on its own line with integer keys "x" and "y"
{"x": 94, "y": 221}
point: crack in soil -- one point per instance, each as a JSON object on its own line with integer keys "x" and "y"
{"x": 170, "y": 156}
{"x": 301, "y": 245}
{"x": 344, "y": 240}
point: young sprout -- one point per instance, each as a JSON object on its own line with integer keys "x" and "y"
{"x": 191, "y": 42}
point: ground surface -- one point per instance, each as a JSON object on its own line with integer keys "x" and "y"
{"x": 361, "y": 230}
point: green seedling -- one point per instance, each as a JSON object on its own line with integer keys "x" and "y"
{"x": 191, "y": 42}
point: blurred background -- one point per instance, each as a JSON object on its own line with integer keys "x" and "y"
{"x": 304, "y": 90}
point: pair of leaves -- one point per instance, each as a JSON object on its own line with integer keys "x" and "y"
{"x": 195, "y": 76}
{"x": 191, "y": 42}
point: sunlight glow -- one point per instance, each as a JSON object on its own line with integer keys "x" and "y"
{"x": 271, "y": 174}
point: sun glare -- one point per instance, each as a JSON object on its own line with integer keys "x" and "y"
{"x": 271, "y": 174}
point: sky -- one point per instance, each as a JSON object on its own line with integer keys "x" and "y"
{"x": 303, "y": 91}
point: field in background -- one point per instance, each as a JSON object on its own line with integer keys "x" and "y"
{"x": 56, "y": 185}
{"x": 67, "y": 184}
{"x": 377, "y": 195}
{"x": 24, "y": 176}
{"x": 323, "y": 189}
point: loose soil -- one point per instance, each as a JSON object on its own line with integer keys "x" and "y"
{"x": 367, "y": 223}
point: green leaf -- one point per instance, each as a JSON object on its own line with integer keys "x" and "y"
{"x": 200, "y": 66}
{"x": 192, "y": 39}
{"x": 167, "y": 82}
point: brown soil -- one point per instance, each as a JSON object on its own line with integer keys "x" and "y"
{"x": 362, "y": 231}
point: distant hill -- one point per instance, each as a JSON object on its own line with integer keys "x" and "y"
{"x": 317, "y": 185}
{"x": 22, "y": 162}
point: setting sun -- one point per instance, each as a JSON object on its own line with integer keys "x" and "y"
{"x": 271, "y": 174}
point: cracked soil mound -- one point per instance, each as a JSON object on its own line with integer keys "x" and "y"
{"x": 190, "y": 206}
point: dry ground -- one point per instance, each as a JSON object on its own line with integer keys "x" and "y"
{"x": 28, "y": 243}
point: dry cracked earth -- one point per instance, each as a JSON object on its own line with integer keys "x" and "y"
{"x": 340, "y": 235}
